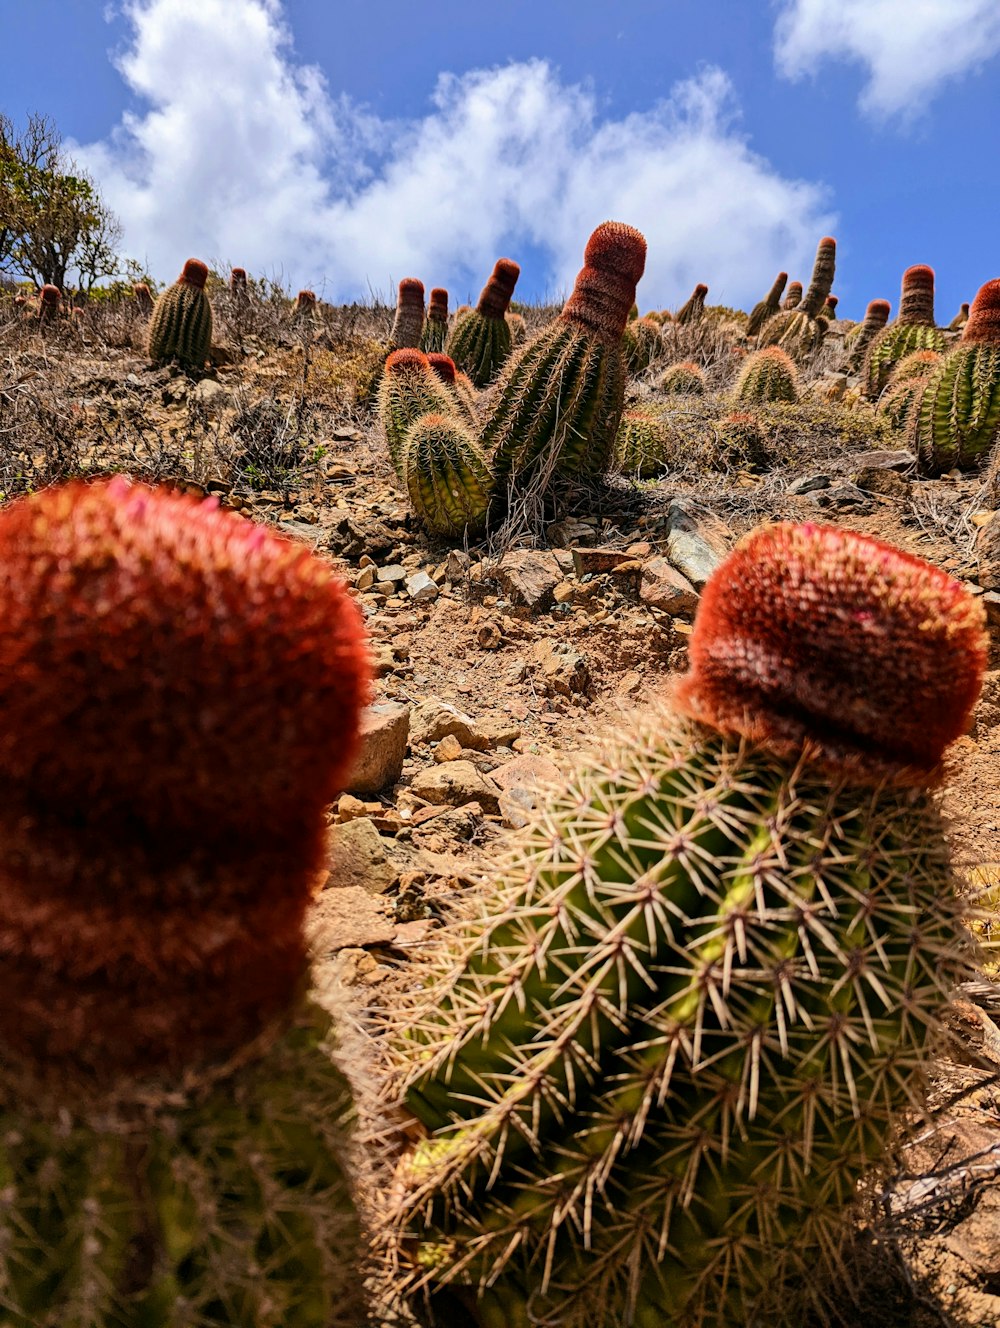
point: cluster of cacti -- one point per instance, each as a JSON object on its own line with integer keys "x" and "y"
{"x": 800, "y": 331}
{"x": 640, "y": 443}
{"x": 648, "y": 1074}
{"x": 435, "y": 333}
{"x": 905, "y": 385}
{"x": 684, "y": 378}
{"x": 408, "y": 324}
{"x": 641, "y": 343}
{"x": 913, "y": 329}
{"x": 955, "y": 421}
{"x": 181, "y": 326}
{"x": 767, "y": 375}
{"x": 181, "y": 695}
{"x": 859, "y": 337}
{"x": 446, "y": 475}
{"x": 694, "y": 306}
{"x": 793, "y": 296}
{"x": 409, "y": 389}
{"x": 767, "y": 307}
{"x": 480, "y": 342}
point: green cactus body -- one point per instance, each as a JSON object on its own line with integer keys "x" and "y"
{"x": 685, "y": 378}
{"x": 767, "y": 307}
{"x": 641, "y": 343}
{"x": 435, "y": 333}
{"x": 897, "y": 400}
{"x": 893, "y": 344}
{"x": 793, "y": 297}
{"x": 694, "y": 307}
{"x": 408, "y": 390}
{"x": 203, "y": 1205}
{"x": 956, "y": 420}
{"x": 858, "y": 339}
{"x": 640, "y": 444}
{"x": 800, "y": 331}
{"x": 480, "y": 342}
{"x": 767, "y": 375}
{"x": 181, "y": 326}
{"x": 446, "y": 475}
{"x": 556, "y": 407}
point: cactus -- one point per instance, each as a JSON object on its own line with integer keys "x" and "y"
{"x": 858, "y": 339}
{"x": 408, "y": 323}
{"x": 742, "y": 441}
{"x": 694, "y": 308}
{"x": 408, "y": 390}
{"x": 960, "y": 319}
{"x": 49, "y": 305}
{"x": 463, "y": 395}
{"x": 305, "y": 305}
{"x": 913, "y": 330}
{"x": 800, "y": 331}
{"x": 685, "y": 378}
{"x": 238, "y": 283}
{"x": 641, "y": 443}
{"x": 518, "y": 331}
{"x": 647, "y": 1074}
{"x": 956, "y": 420}
{"x": 896, "y": 402}
{"x": 767, "y": 375}
{"x": 435, "y": 332}
{"x": 918, "y": 364}
{"x": 557, "y": 404}
{"x": 829, "y": 310}
{"x": 446, "y": 475}
{"x": 143, "y": 298}
{"x": 175, "y": 1138}
{"x": 641, "y": 343}
{"x": 480, "y": 342}
{"x": 768, "y": 306}
{"x": 181, "y": 326}
{"x": 793, "y": 297}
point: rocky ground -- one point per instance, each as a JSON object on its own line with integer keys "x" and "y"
{"x": 495, "y": 664}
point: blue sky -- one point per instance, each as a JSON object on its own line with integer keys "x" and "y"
{"x": 343, "y": 146}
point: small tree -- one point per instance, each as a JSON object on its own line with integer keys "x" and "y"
{"x": 52, "y": 219}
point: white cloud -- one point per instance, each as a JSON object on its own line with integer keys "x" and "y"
{"x": 242, "y": 154}
{"x": 911, "y": 47}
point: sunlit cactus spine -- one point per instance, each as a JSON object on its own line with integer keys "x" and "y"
{"x": 793, "y": 296}
{"x": 408, "y": 324}
{"x": 767, "y": 307}
{"x": 143, "y": 297}
{"x": 409, "y": 389}
{"x": 913, "y": 329}
{"x": 556, "y": 407}
{"x": 641, "y": 443}
{"x": 641, "y": 343}
{"x": 181, "y": 326}
{"x": 960, "y": 319}
{"x": 435, "y": 333}
{"x": 446, "y": 475}
{"x": 648, "y": 1071}
{"x": 685, "y": 378}
{"x": 767, "y": 375}
{"x": 175, "y": 1117}
{"x": 857, "y": 341}
{"x": 480, "y": 342}
{"x": 956, "y": 420}
{"x": 800, "y": 331}
{"x": 463, "y": 395}
{"x": 694, "y": 307}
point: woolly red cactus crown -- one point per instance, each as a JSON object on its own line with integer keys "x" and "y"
{"x": 405, "y": 361}
{"x": 814, "y": 635}
{"x": 438, "y": 306}
{"x": 495, "y": 296}
{"x": 614, "y": 260}
{"x": 51, "y": 294}
{"x": 983, "y": 323}
{"x": 411, "y": 291}
{"x": 877, "y": 312}
{"x": 195, "y": 273}
{"x": 916, "y": 300}
{"x": 442, "y": 365}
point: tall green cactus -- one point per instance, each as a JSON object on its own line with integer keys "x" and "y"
{"x": 793, "y": 298}
{"x": 175, "y": 1118}
{"x": 555, "y": 408}
{"x": 446, "y": 475}
{"x": 480, "y": 342}
{"x": 913, "y": 330}
{"x": 857, "y": 341}
{"x": 767, "y": 307}
{"x": 408, "y": 390}
{"x": 956, "y": 420}
{"x": 800, "y": 331}
{"x": 647, "y": 1075}
{"x": 694, "y": 306}
{"x": 435, "y": 332}
{"x": 181, "y": 326}
{"x": 767, "y": 375}
{"x": 408, "y": 324}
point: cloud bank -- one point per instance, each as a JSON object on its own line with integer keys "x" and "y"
{"x": 912, "y": 48}
{"x": 241, "y": 153}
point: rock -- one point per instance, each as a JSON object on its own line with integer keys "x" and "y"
{"x": 454, "y": 784}
{"x": 350, "y": 917}
{"x": 448, "y": 749}
{"x": 421, "y": 587}
{"x": 365, "y": 578}
{"x": 433, "y": 720}
{"x": 529, "y": 577}
{"x": 457, "y": 565}
{"x": 385, "y": 730}
{"x": 560, "y": 670}
{"x": 210, "y": 393}
{"x": 988, "y": 553}
{"x": 840, "y": 496}
{"x": 663, "y": 587}
{"x": 562, "y": 534}
{"x": 301, "y": 530}
{"x": 522, "y": 782}
{"x": 497, "y": 730}
{"x": 489, "y": 636}
{"x": 884, "y": 458}
{"x": 697, "y": 540}
{"x": 809, "y": 484}
{"x": 394, "y": 575}
{"x": 356, "y": 857}
{"x": 883, "y": 480}
{"x": 991, "y": 603}
{"x": 592, "y": 561}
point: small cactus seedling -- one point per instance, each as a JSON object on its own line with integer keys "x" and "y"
{"x": 556, "y": 407}
{"x": 793, "y": 296}
{"x": 858, "y": 339}
{"x": 767, "y": 375}
{"x": 446, "y": 476}
{"x": 409, "y": 389}
{"x": 408, "y": 325}
{"x": 641, "y": 443}
{"x": 694, "y": 306}
{"x": 435, "y": 332}
{"x": 175, "y": 1134}
{"x": 181, "y": 326}
{"x": 800, "y": 331}
{"x": 956, "y": 420}
{"x": 685, "y": 378}
{"x": 767, "y": 307}
{"x": 648, "y": 1073}
{"x": 480, "y": 343}
{"x": 912, "y": 330}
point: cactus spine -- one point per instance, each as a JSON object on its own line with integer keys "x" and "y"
{"x": 767, "y": 307}
{"x": 694, "y": 306}
{"x": 800, "y": 331}
{"x": 174, "y": 1118}
{"x": 435, "y": 332}
{"x": 956, "y": 420}
{"x": 913, "y": 330}
{"x": 480, "y": 343}
{"x": 654, "y": 1065}
{"x": 446, "y": 475}
{"x": 685, "y": 378}
{"x": 408, "y": 390}
{"x": 641, "y": 443}
{"x": 181, "y": 326}
{"x": 557, "y": 404}
{"x": 767, "y": 375}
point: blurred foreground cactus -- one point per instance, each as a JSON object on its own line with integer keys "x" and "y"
{"x": 480, "y": 342}
{"x": 647, "y": 1074}
{"x": 181, "y": 695}
{"x": 800, "y": 331}
{"x": 181, "y": 326}
{"x": 912, "y": 330}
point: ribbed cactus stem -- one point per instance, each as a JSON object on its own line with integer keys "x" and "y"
{"x": 238, "y": 282}
{"x": 437, "y": 307}
{"x": 829, "y": 309}
{"x": 694, "y": 307}
{"x": 822, "y": 277}
{"x": 794, "y": 297}
{"x": 480, "y": 342}
{"x": 446, "y": 475}
{"x": 409, "y": 321}
{"x": 409, "y": 389}
{"x": 767, "y": 375}
{"x": 770, "y": 305}
{"x": 916, "y": 299}
{"x": 496, "y": 295}
{"x": 983, "y": 325}
{"x": 194, "y": 273}
{"x": 604, "y": 292}
{"x": 181, "y": 326}
{"x": 435, "y": 333}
